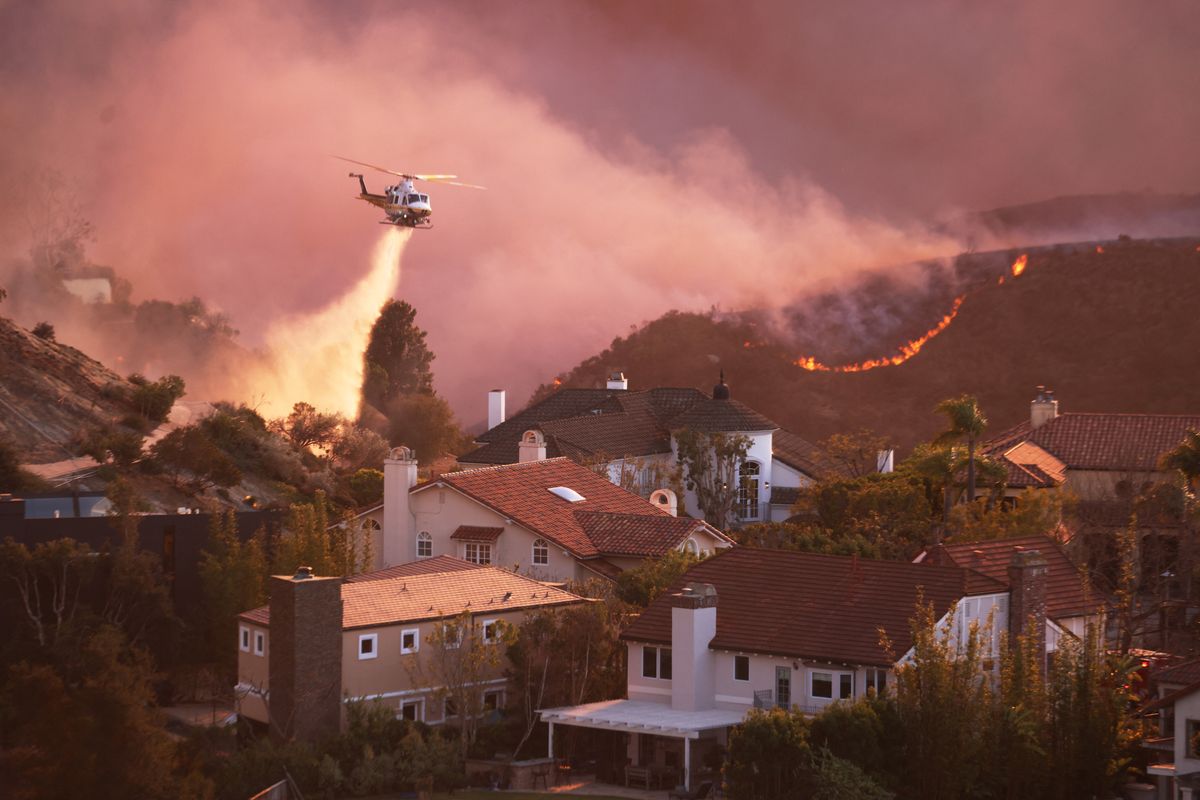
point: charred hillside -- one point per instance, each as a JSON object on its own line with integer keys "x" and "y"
{"x": 1112, "y": 328}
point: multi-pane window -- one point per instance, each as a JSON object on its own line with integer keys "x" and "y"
{"x": 260, "y": 643}
{"x": 477, "y": 552}
{"x": 411, "y": 710}
{"x": 741, "y": 668}
{"x": 831, "y": 685}
{"x": 491, "y": 631}
{"x": 410, "y": 641}
{"x": 877, "y": 680}
{"x": 747, "y": 495}
{"x": 424, "y": 545}
{"x": 656, "y": 662}
{"x": 541, "y": 552}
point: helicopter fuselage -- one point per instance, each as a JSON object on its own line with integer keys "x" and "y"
{"x": 403, "y": 205}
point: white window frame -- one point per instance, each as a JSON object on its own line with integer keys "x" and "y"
{"x": 244, "y": 638}
{"x": 416, "y": 647}
{"x": 692, "y": 547}
{"x": 373, "y": 638}
{"x": 541, "y": 553}
{"x": 835, "y": 682}
{"x": 446, "y": 643}
{"x": 424, "y": 538}
{"x": 260, "y": 643}
{"x": 735, "y": 669}
{"x": 658, "y": 662}
{"x": 485, "y": 626}
{"x": 873, "y": 678}
{"x": 480, "y": 549}
{"x": 419, "y": 704}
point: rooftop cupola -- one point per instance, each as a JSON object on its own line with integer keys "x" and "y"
{"x": 721, "y": 390}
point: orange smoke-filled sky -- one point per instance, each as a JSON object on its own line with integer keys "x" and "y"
{"x": 639, "y": 156}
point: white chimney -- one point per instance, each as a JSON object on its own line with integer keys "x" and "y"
{"x": 1043, "y": 408}
{"x": 885, "y": 461}
{"x": 693, "y": 626}
{"x": 399, "y": 475}
{"x": 495, "y": 408}
{"x": 618, "y": 381}
{"x": 666, "y": 500}
{"x": 532, "y": 447}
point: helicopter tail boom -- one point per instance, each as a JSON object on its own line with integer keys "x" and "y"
{"x": 362, "y": 184}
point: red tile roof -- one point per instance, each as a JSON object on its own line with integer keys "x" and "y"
{"x": 1067, "y": 594}
{"x": 722, "y": 416}
{"x": 1183, "y": 673}
{"x": 798, "y": 453}
{"x": 1103, "y": 441}
{"x": 476, "y": 533}
{"x": 637, "y": 534}
{"x": 804, "y": 605}
{"x": 415, "y": 598}
{"x": 422, "y": 567}
{"x": 521, "y": 493}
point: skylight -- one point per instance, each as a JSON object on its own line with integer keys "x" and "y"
{"x": 570, "y": 495}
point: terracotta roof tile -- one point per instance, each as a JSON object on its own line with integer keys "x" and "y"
{"x": 1103, "y": 441}
{"x": 421, "y": 567}
{"x": 413, "y": 598}
{"x": 636, "y": 534}
{"x": 476, "y": 533}
{"x": 521, "y": 492}
{"x": 804, "y": 605}
{"x": 722, "y": 416}
{"x": 1183, "y": 673}
{"x": 1066, "y": 592}
{"x": 798, "y": 453}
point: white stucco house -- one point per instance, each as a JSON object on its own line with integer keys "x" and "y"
{"x": 760, "y": 628}
{"x": 633, "y": 433}
{"x": 548, "y": 518}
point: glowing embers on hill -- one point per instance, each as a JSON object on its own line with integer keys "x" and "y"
{"x": 1019, "y": 265}
{"x": 906, "y": 352}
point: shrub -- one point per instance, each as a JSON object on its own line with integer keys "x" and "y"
{"x": 44, "y": 330}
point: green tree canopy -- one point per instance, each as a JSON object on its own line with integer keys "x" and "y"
{"x": 396, "y": 361}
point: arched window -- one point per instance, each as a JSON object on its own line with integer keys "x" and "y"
{"x": 541, "y": 552}
{"x": 691, "y": 547}
{"x": 747, "y": 497}
{"x": 424, "y": 545}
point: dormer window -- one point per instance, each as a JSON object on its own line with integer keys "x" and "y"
{"x": 566, "y": 493}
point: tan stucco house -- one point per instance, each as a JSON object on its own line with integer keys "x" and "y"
{"x": 324, "y": 642}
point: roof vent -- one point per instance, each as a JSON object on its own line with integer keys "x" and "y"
{"x": 302, "y": 574}
{"x": 570, "y": 495}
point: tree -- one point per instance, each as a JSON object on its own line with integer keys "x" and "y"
{"x": 232, "y": 579}
{"x": 425, "y": 423}
{"x": 396, "y": 361}
{"x": 940, "y": 466}
{"x": 890, "y": 511}
{"x": 366, "y": 486}
{"x": 307, "y": 427}
{"x": 359, "y": 448}
{"x": 1185, "y": 459}
{"x": 13, "y": 477}
{"x": 1034, "y": 512}
{"x": 805, "y": 538}
{"x": 854, "y": 455}
{"x": 768, "y": 757}
{"x": 459, "y": 661}
{"x": 190, "y": 450}
{"x": 49, "y": 583}
{"x": 966, "y": 420}
{"x": 121, "y": 448}
{"x": 154, "y": 399}
{"x": 711, "y": 463}
{"x": 640, "y": 585}
{"x": 44, "y": 330}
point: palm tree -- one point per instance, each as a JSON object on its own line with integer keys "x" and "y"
{"x": 966, "y": 421}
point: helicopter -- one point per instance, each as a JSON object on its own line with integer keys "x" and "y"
{"x": 404, "y": 205}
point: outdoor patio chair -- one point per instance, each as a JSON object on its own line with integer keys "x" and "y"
{"x": 699, "y": 793}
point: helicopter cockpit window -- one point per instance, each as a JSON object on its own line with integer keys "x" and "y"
{"x": 424, "y": 198}
{"x": 414, "y": 198}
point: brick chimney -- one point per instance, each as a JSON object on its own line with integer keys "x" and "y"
{"x": 532, "y": 447}
{"x": 305, "y": 670}
{"x": 1027, "y": 598}
{"x": 399, "y": 475}
{"x": 693, "y": 626}
{"x": 1043, "y": 408}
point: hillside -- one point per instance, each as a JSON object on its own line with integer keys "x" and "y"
{"x": 1111, "y": 328}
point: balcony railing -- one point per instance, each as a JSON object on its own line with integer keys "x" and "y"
{"x": 764, "y": 698}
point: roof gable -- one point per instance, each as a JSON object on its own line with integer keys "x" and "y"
{"x": 1103, "y": 441}
{"x": 805, "y": 605}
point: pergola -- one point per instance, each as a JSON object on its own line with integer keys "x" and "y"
{"x": 637, "y": 716}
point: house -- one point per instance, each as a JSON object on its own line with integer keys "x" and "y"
{"x": 549, "y": 518}
{"x": 1072, "y": 603}
{"x": 1095, "y": 456}
{"x": 631, "y": 434}
{"x": 323, "y": 642}
{"x": 1175, "y": 752}
{"x": 754, "y": 628}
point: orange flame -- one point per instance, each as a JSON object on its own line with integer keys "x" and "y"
{"x": 907, "y": 351}
{"x": 1099, "y": 248}
{"x": 557, "y": 382}
{"x": 1019, "y": 265}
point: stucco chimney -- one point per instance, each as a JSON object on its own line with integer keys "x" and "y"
{"x": 693, "y": 626}
{"x": 305, "y": 669}
{"x": 1027, "y": 598}
{"x": 666, "y": 500}
{"x": 532, "y": 447}
{"x": 618, "y": 381}
{"x": 1043, "y": 408}
{"x": 399, "y": 475}
{"x": 495, "y": 408}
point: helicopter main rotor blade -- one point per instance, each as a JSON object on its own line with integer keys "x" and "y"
{"x": 376, "y": 167}
{"x": 447, "y": 179}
